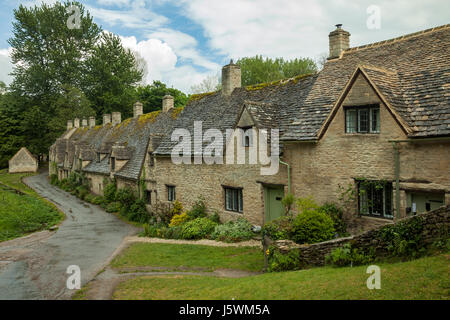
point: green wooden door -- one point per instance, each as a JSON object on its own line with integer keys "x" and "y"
{"x": 273, "y": 206}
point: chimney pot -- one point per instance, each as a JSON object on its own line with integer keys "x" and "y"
{"x": 231, "y": 78}
{"x": 91, "y": 122}
{"x": 76, "y": 122}
{"x": 339, "y": 40}
{"x": 137, "y": 109}
{"x": 106, "y": 119}
{"x": 69, "y": 124}
{"x": 116, "y": 118}
{"x": 167, "y": 103}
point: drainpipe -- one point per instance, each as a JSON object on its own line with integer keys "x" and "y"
{"x": 397, "y": 178}
{"x": 289, "y": 174}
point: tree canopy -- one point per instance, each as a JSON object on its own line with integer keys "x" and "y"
{"x": 257, "y": 69}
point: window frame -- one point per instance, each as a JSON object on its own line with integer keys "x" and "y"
{"x": 112, "y": 163}
{"x": 367, "y": 201}
{"x": 148, "y": 197}
{"x": 357, "y": 112}
{"x": 247, "y": 137}
{"x": 169, "y": 197}
{"x": 237, "y": 199}
{"x": 151, "y": 159}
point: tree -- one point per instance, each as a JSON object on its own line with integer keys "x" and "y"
{"x": 209, "y": 84}
{"x": 260, "y": 70}
{"x": 46, "y": 53}
{"x": 112, "y": 76}
{"x": 151, "y": 96}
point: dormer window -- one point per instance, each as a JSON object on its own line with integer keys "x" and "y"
{"x": 365, "y": 119}
{"x": 247, "y": 138}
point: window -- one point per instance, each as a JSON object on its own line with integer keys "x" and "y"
{"x": 362, "y": 119}
{"x": 233, "y": 199}
{"x": 148, "y": 196}
{"x": 247, "y": 138}
{"x": 151, "y": 159}
{"x": 375, "y": 198}
{"x": 113, "y": 164}
{"x": 98, "y": 156}
{"x": 80, "y": 164}
{"x": 171, "y": 193}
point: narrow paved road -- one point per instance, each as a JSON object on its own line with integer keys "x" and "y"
{"x": 35, "y": 267}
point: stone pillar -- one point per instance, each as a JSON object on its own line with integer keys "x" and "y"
{"x": 76, "y": 123}
{"x": 106, "y": 119}
{"x": 84, "y": 123}
{"x": 116, "y": 118}
{"x": 339, "y": 40}
{"x": 231, "y": 78}
{"x": 137, "y": 109}
{"x": 167, "y": 103}
{"x": 69, "y": 124}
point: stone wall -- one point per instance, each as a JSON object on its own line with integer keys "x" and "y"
{"x": 314, "y": 254}
{"x": 338, "y": 158}
{"x": 23, "y": 162}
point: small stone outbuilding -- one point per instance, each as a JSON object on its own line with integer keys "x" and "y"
{"x": 23, "y": 161}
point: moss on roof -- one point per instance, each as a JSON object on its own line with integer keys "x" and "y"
{"x": 176, "y": 112}
{"x": 149, "y": 117}
{"x": 281, "y": 82}
{"x": 198, "y": 96}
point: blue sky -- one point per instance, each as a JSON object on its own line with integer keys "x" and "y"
{"x": 183, "y": 42}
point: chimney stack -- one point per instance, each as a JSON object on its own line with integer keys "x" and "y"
{"x": 339, "y": 41}
{"x": 116, "y": 118}
{"x": 84, "y": 123}
{"x": 76, "y": 122}
{"x": 231, "y": 78}
{"x": 91, "y": 122}
{"x": 106, "y": 119}
{"x": 167, "y": 103}
{"x": 69, "y": 124}
{"x": 137, "y": 109}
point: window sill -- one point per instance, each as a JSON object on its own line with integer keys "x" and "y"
{"x": 362, "y": 134}
{"x": 235, "y": 212}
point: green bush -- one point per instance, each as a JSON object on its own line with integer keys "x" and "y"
{"x": 89, "y": 197}
{"x": 404, "y": 238}
{"x": 138, "y": 212}
{"x": 197, "y": 229}
{"x": 348, "y": 256}
{"x": 110, "y": 192}
{"x": 215, "y": 217}
{"x": 279, "y": 229}
{"x": 198, "y": 210}
{"x": 312, "y": 226}
{"x": 126, "y": 197}
{"x": 98, "y": 200}
{"x": 54, "y": 179}
{"x": 233, "y": 231}
{"x": 113, "y": 207}
{"x": 335, "y": 214}
{"x": 81, "y": 192}
{"x": 283, "y": 262}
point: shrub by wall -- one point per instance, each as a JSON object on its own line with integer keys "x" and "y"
{"x": 407, "y": 238}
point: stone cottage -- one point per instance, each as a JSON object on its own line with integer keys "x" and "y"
{"x": 374, "y": 123}
{"x": 23, "y": 161}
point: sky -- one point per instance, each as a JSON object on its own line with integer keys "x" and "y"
{"x": 185, "y": 41}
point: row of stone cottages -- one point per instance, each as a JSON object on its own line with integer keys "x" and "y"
{"x": 375, "y": 118}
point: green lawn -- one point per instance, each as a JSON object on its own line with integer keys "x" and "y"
{"x": 14, "y": 180}
{"x": 23, "y": 213}
{"x": 188, "y": 257}
{"x": 425, "y": 278}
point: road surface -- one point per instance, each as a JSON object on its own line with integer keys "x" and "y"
{"x": 35, "y": 267}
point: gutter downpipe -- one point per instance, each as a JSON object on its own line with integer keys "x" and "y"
{"x": 289, "y": 174}
{"x": 397, "y": 164}
{"x": 397, "y": 178}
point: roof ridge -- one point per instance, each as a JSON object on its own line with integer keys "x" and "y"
{"x": 393, "y": 40}
{"x": 380, "y": 69}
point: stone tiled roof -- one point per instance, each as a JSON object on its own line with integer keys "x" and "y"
{"x": 128, "y": 141}
{"x": 221, "y": 112}
{"x": 416, "y": 80}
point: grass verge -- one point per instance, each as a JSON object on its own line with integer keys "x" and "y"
{"x": 22, "y": 210}
{"x": 425, "y": 278}
{"x": 188, "y": 257}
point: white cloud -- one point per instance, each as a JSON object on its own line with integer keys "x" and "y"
{"x": 6, "y": 65}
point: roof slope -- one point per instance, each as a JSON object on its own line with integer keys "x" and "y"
{"x": 416, "y": 80}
